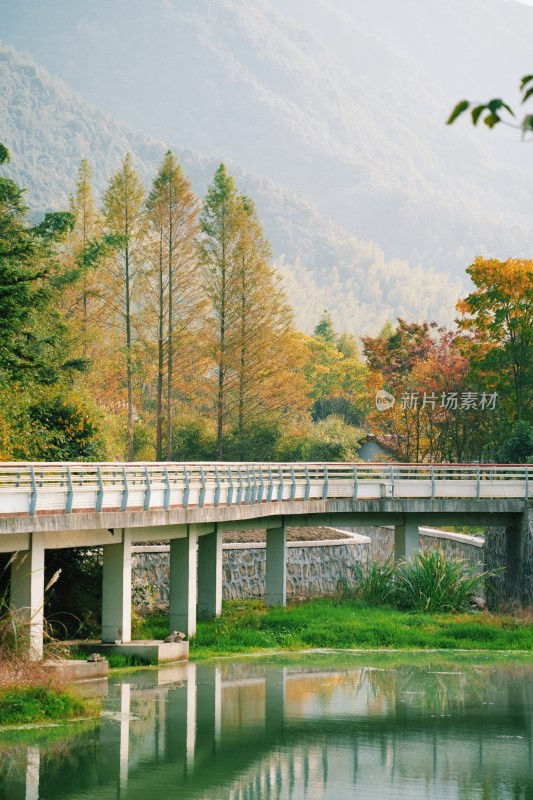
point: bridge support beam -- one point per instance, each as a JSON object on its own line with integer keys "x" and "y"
{"x": 182, "y": 583}
{"x": 276, "y": 566}
{"x": 406, "y": 538}
{"x": 27, "y": 593}
{"x": 116, "y": 590}
{"x": 210, "y": 575}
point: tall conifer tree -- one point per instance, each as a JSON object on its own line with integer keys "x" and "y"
{"x": 173, "y": 284}
{"x": 125, "y": 217}
{"x": 220, "y": 221}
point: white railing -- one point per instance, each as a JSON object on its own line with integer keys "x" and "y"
{"x": 76, "y": 487}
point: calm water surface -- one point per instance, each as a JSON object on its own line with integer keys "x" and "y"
{"x": 317, "y": 728}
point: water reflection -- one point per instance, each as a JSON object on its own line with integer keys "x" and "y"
{"x": 248, "y": 731}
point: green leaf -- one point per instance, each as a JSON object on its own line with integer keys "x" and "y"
{"x": 525, "y": 80}
{"x": 459, "y": 109}
{"x": 497, "y": 103}
{"x": 527, "y": 123}
{"x": 527, "y": 95}
{"x": 491, "y": 120}
{"x": 477, "y": 112}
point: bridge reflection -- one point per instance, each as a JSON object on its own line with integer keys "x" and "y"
{"x": 247, "y": 731}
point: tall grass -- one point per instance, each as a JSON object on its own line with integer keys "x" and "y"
{"x": 432, "y": 583}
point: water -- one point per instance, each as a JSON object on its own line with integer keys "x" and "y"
{"x": 320, "y": 727}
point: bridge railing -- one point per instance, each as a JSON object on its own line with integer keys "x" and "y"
{"x": 76, "y": 487}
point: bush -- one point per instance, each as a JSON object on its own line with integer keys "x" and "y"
{"x": 376, "y": 586}
{"x": 431, "y": 583}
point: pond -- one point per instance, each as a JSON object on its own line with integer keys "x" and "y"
{"x": 323, "y": 726}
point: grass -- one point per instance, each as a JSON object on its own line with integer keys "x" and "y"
{"x": 20, "y": 705}
{"x": 250, "y": 626}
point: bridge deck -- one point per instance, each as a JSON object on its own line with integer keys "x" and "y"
{"x": 33, "y": 489}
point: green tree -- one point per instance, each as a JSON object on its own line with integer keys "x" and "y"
{"x": 324, "y": 330}
{"x": 219, "y": 253}
{"x": 518, "y": 448}
{"x": 336, "y": 376}
{"x": 31, "y": 333}
{"x": 125, "y": 217}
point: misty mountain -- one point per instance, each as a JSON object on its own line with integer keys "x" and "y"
{"x": 49, "y": 129}
{"x": 342, "y": 103}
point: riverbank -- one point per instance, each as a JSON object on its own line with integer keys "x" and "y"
{"x": 250, "y": 626}
{"x": 28, "y": 695}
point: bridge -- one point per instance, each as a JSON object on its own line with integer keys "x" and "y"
{"x": 115, "y": 505}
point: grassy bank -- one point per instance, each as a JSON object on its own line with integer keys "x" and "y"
{"x": 250, "y": 626}
{"x": 21, "y": 705}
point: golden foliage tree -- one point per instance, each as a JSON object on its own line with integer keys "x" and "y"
{"x": 174, "y": 302}
{"x": 125, "y": 218}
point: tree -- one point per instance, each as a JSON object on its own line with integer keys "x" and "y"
{"x": 31, "y": 333}
{"x": 497, "y": 319}
{"x": 263, "y": 333}
{"x": 84, "y": 302}
{"x": 491, "y": 112}
{"x": 125, "y": 217}
{"x": 173, "y": 284}
{"x": 220, "y": 222}
{"x": 518, "y": 448}
{"x": 335, "y": 374}
{"x": 324, "y": 330}
{"x": 432, "y": 418}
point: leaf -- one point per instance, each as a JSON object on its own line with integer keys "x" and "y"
{"x": 525, "y": 80}
{"x": 491, "y": 120}
{"x": 477, "y": 112}
{"x": 527, "y": 95}
{"x": 459, "y": 109}
{"x": 527, "y": 123}
{"x": 497, "y": 103}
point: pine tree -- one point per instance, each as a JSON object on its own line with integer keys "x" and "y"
{"x": 82, "y": 303}
{"x": 263, "y": 328}
{"x": 219, "y": 254}
{"x": 173, "y": 284}
{"x": 125, "y": 217}
{"x": 253, "y": 344}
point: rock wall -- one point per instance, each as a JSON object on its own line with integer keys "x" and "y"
{"x": 510, "y": 552}
{"x": 312, "y": 568}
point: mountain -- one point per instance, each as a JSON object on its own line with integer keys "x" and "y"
{"x": 49, "y": 129}
{"x": 342, "y": 103}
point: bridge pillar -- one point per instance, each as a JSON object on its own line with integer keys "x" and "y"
{"x": 276, "y": 566}
{"x": 182, "y": 583}
{"x": 210, "y": 575}
{"x": 406, "y": 538}
{"x": 116, "y": 590}
{"x": 27, "y": 593}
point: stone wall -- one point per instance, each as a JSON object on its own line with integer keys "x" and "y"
{"x": 313, "y": 568}
{"x": 510, "y": 551}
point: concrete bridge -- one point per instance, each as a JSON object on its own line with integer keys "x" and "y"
{"x": 113, "y": 505}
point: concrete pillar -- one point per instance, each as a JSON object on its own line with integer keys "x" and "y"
{"x": 406, "y": 539}
{"x": 276, "y": 566}
{"x": 27, "y": 593}
{"x": 116, "y": 591}
{"x": 210, "y": 575}
{"x": 182, "y": 583}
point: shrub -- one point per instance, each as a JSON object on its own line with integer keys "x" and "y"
{"x": 376, "y": 585}
{"x": 431, "y": 582}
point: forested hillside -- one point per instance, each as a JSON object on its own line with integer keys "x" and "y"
{"x": 341, "y": 102}
{"x": 49, "y": 130}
